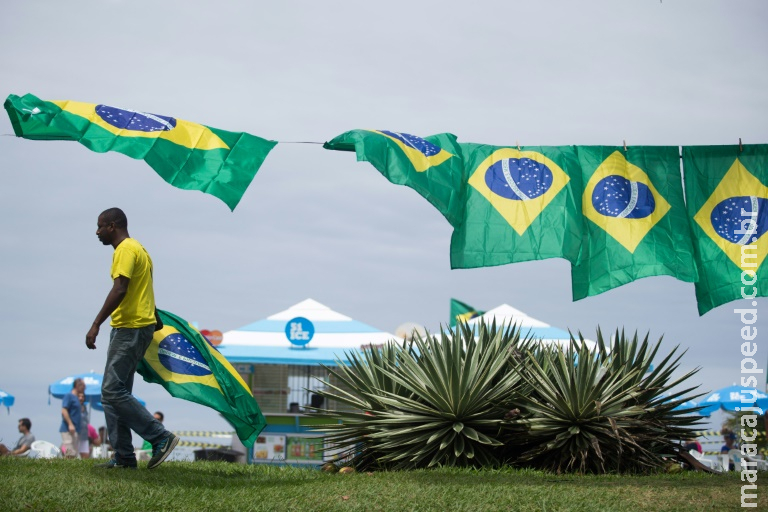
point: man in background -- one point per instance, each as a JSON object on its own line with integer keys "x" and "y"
{"x": 71, "y": 414}
{"x": 24, "y": 443}
{"x": 147, "y": 446}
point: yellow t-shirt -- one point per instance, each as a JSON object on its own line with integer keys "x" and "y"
{"x": 137, "y": 309}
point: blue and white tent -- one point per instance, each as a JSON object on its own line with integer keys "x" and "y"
{"x": 307, "y": 333}
{"x": 506, "y": 314}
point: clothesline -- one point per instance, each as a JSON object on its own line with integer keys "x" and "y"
{"x": 279, "y": 141}
{"x": 321, "y": 143}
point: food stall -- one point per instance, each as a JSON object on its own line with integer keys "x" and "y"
{"x": 281, "y": 358}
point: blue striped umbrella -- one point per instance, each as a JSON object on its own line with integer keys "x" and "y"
{"x": 730, "y": 398}
{"x": 688, "y": 404}
{"x": 92, "y": 386}
{"x": 93, "y": 383}
{"x": 7, "y": 400}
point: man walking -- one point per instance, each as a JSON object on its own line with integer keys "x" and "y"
{"x": 24, "y": 443}
{"x": 131, "y": 304}
{"x": 70, "y": 419}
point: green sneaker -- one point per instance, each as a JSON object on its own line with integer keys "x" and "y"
{"x": 115, "y": 464}
{"x": 162, "y": 450}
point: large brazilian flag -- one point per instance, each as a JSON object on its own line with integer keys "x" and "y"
{"x": 183, "y": 361}
{"x": 187, "y": 155}
{"x": 726, "y": 189}
{"x": 636, "y": 224}
{"x": 521, "y": 204}
{"x": 505, "y": 204}
{"x": 431, "y": 166}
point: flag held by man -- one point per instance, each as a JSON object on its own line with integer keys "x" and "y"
{"x": 183, "y": 361}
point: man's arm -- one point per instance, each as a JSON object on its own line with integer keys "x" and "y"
{"x": 21, "y": 450}
{"x": 114, "y": 298}
{"x": 65, "y": 414}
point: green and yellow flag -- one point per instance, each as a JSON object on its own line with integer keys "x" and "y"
{"x": 461, "y": 312}
{"x": 636, "y": 222}
{"x": 521, "y": 204}
{"x": 183, "y": 361}
{"x": 187, "y": 155}
{"x": 505, "y": 204}
{"x": 431, "y": 166}
{"x": 726, "y": 190}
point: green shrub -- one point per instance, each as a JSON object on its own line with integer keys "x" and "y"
{"x": 492, "y": 396}
{"x": 599, "y": 410}
{"x": 427, "y": 402}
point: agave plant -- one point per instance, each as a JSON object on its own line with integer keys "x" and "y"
{"x": 599, "y": 410}
{"x": 432, "y": 401}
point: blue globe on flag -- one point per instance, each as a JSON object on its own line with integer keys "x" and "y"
{"x": 133, "y": 120}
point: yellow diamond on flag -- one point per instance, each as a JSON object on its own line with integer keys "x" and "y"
{"x": 421, "y": 153}
{"x": 730, "y": 217}
{"x": 518, "y": 184}
{"x": 169, "y": 354}
{"x": 620, "y": 198}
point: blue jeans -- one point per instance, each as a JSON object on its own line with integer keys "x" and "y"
{"x": 121, "y": 410}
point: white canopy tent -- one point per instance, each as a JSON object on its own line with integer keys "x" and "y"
{"x": 267, "y": 341}
{"x": 506, "y": 314}
{"x": 281, "y": 356}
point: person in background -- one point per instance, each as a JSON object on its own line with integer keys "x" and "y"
{"x": 93, "y": 438}
{"x": 24, "y": 443}
{"x": 87, "y": 436}
{"x": 159, "y": 416}
{"x": 729, "y": 436}
{"x": 693, "y": 444}
{"x": 71, "y": 412}
{"x": 104, "y": 442}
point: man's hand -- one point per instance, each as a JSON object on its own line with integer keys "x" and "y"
{"x": 90, "y": 338}
{"x": 71, "y": 429}
{"x": 114, "y": 298}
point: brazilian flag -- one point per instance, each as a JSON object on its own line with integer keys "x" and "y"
{"x": 726, "y": 189}
{"x": 183, "y": 361}
{"x": 505, "y": 204}
{"x": 187, "y": 155}
{"x": 431, "y": 166}
{"x": 521, "y": 204}
{"x": 461, "y": 312}
{"x": 636, "y": 224}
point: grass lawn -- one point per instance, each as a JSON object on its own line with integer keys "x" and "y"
{"x": 75, "y": 485}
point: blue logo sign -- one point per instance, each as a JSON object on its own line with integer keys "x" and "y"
{"x": 299, "y": 331}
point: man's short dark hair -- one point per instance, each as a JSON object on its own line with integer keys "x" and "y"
{"x": 27, "y": 424}
{"x": 117, "y": 216}
{"x": 162, "y": 416}
{"x": 76, "y": 382}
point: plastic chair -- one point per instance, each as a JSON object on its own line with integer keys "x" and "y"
{"x": 100, "y": 452}
{"x": 700, "y": 457}
{"x": 757, "y": 462}
{"x": 732, "y": 456}
{"x": 44, "y": 450}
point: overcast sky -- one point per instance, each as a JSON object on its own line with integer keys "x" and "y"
{"x": 315, "y": 223}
